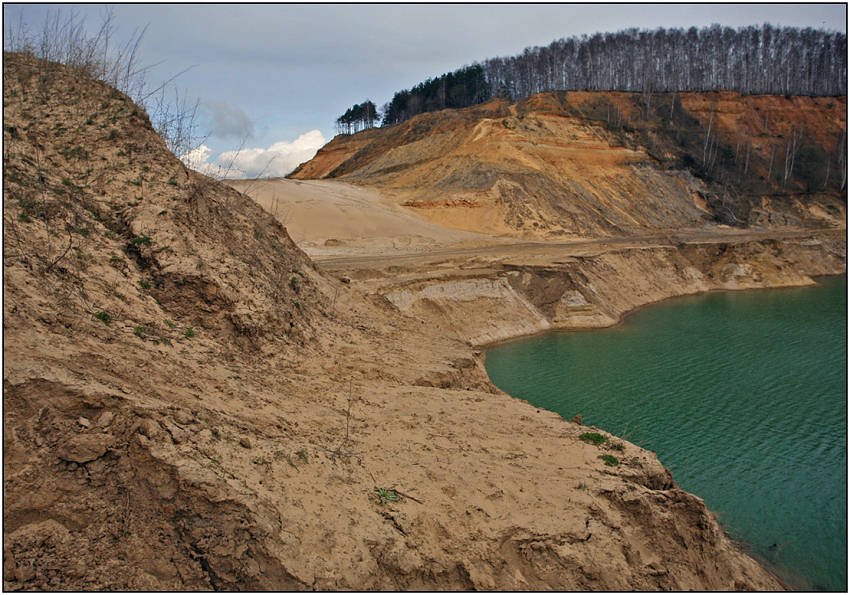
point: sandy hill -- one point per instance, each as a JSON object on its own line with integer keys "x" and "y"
{"x": 190, "y": 404}
{"x": 559, "y": 165}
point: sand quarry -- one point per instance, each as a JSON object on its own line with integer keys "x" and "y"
{"x": 192, "y": 401}
{"x": 482, "y": 288}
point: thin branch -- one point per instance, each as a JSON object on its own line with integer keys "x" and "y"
{"x": 61, "y": 256}
{"x": 400, "y": 493}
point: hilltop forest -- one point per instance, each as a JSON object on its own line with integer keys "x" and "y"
{"x": 751, "y": 60}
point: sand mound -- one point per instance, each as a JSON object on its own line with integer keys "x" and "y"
{"x": 330, "y": 217}
{"x": 189, "y": 404}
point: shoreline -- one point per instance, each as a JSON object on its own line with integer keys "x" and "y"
{"x": 623, "y": 318}
{"x": 485, "y": 298}
{"x": 210, "y": 410}
{"x": 788, "y": 580}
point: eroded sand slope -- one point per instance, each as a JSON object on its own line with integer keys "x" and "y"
{"x": 579, "y": 164}
{"x": 327, "y": 217}
{"x": 190, "y": 404}
{"x": 483, "y": 289}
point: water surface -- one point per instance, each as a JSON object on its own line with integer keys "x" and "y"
{"x": 742, "y": 394}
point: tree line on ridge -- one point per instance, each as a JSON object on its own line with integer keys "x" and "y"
{"x": 751, "y": 60}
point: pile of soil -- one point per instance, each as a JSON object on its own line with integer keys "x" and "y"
{"x": 190, "y": 404}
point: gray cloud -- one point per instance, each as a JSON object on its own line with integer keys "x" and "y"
{"x": 297, "y": 67}
{"x": 228, "y": 122}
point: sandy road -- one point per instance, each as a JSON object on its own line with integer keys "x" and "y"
{"x": 347, "y": 228}
{"x": 543, "y": 252}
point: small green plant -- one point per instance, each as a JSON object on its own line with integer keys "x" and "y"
{"x": 297, "y": 304}
{"x": 144, "y": 284}
{"x": 302, "y": 454}
{"x": 190, "y": 332}
{"x": 593, "y": 438}
{"x": 142, "y": 239}
{"x": 609, "y": 460}
{"x": 387, "y": 495}
{"x": 146, "y": 168}
{"x": 140, "y": 331}
{"x": 293, "y": 283}
{"x": 136, "y": 182}
{"x": 618, "y": 446}
{"x": 122, "y": 153}
{"x": 115, "y": 259}
{"x": 89, "y": 122}
{"x": 173, "y": 182}
{"x": 104, "y": 317}
{"x": 113, "y": 134}
{"x": 169, "y": 324}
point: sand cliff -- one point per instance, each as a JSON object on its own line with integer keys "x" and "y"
{"x": 579, "y": 164}
{"x": 507, "y": 293}
{"x": 190, "y": 403}
{"x": 601, "y": 202}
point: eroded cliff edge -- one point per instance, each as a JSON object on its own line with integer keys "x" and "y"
{"x": 190, "y": 404}
{"x": 610, "y": 200}
{"x": 606, "y": 164}
{"x": 484, "y": 297}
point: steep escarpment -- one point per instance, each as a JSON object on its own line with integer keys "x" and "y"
{"x": 598, "y": 163}
{"x": 190, "y": 404}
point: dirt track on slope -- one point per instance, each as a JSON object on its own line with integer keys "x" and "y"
{"x": 542, "y": 251}
{"x": 483, "y": 288}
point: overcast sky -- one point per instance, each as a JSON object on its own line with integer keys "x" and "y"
{"x": 272, "y": 79}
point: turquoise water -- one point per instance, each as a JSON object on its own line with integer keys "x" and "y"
{"x": 743, "y": 395}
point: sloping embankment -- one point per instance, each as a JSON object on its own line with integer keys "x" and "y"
{"x": 190, "y": 405}
{"x": 591, "y": 164}
{"x": 519, "y": 295}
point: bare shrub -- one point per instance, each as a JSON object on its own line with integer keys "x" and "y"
{"x": 64, "y": 38}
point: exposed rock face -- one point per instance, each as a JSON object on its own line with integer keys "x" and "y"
{"x": 182, "y": 318}
{"x": 595, "y": 164}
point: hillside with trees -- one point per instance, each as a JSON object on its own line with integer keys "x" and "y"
{"x": 750, "y": 60}
{"x": 592, "y": 163}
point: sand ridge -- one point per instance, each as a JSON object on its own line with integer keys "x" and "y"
{"x": 493, "y": 288}
{"x": 326, "y": 217}
{"x": 191, "y": 403}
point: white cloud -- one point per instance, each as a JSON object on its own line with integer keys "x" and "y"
{"x": 278, "y": 160}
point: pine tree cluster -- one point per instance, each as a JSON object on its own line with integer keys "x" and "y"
{"x": 358, "y": 117}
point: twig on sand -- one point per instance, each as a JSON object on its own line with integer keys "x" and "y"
{"x": 338, "y": 451}
{"x": 400, "y": 493}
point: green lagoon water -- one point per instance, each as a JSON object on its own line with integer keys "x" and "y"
{"x": 743, "y": 395}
